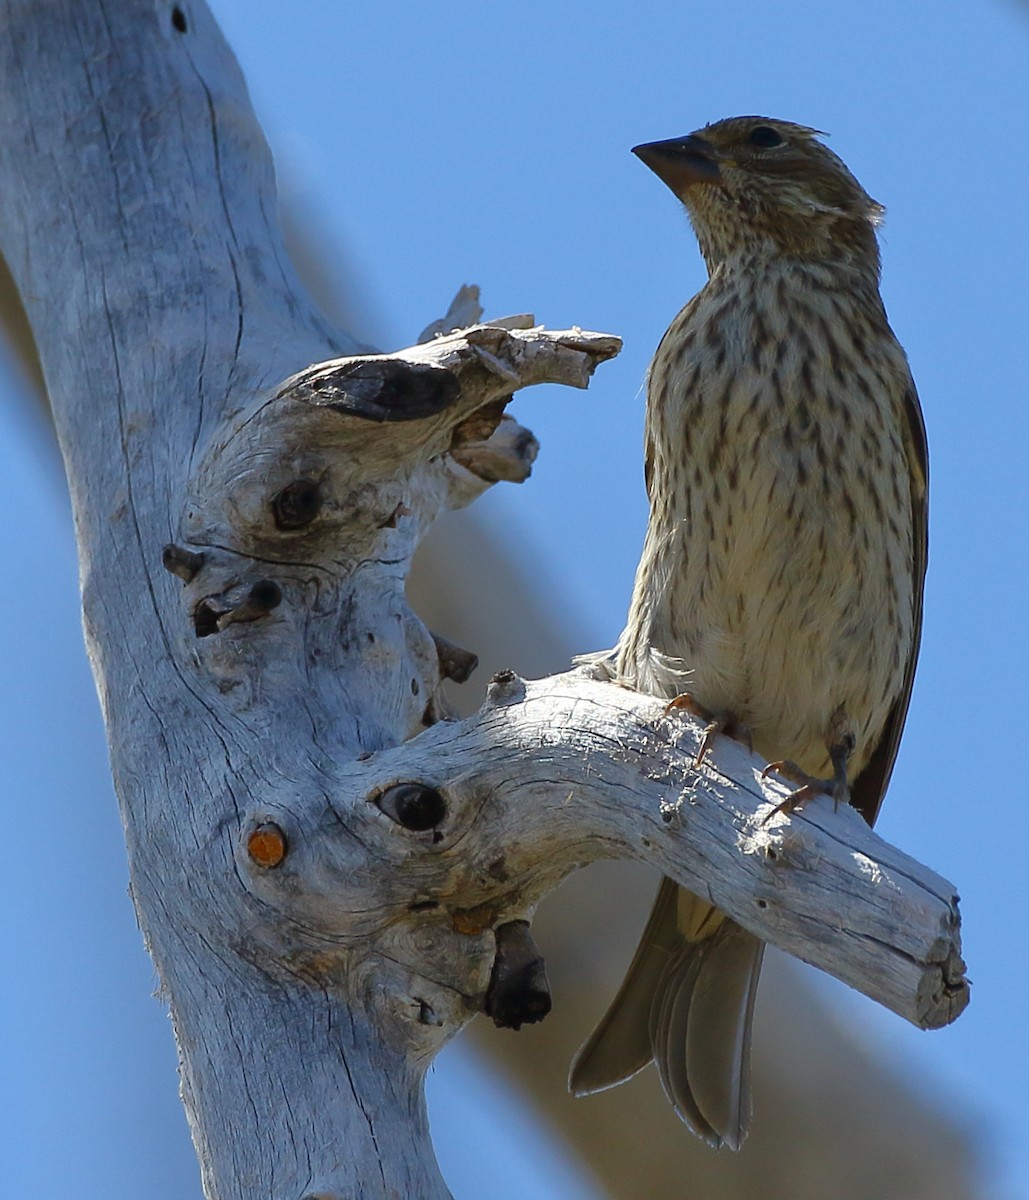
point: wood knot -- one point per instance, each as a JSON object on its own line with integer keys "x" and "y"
{"x": 297, "y": 505}
{"x": 415, "y": 806}
{"x": 267, "y": 845}
{"x": 215, "y": 613}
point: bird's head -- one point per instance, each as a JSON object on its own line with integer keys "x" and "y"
{"x": 757, "y": 186}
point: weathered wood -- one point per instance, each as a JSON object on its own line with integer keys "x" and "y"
{"x": 557, "y": 773}
{"x": 246, "y": 521}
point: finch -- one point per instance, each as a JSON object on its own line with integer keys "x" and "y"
{"x": 780, "y": 584}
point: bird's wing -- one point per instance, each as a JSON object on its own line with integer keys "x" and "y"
{"x": 870, "y": 786}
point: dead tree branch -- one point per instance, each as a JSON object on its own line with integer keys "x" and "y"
{"x": 331, "y": 879}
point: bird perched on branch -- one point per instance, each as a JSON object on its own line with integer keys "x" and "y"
{"x": 780, "y": 585}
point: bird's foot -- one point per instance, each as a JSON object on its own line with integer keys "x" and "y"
{"x": 810, "y": 785}
{"x": 716, "y": 723}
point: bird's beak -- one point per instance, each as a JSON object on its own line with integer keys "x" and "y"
{"x": 681, "y": 162}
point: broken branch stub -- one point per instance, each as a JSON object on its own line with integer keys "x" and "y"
{"x": 304, "y": 512}
{"x": 323, "y": 429}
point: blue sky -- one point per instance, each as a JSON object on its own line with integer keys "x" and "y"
{"x": 431, "y": 145}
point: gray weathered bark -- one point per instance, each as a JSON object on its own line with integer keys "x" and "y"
{"x": 319, "y": 932}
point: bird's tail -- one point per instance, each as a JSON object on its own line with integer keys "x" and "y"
{"x": 687, "y": 1003}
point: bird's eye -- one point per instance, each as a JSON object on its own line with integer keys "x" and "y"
{"x": 764, "y": 136}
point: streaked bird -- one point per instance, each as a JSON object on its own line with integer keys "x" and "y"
{"x": 780, "y": 586}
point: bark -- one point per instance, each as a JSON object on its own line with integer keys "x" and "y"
{"x": 332, "y": 883}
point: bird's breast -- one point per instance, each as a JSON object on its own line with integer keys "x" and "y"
{"x": 778, "y": 562}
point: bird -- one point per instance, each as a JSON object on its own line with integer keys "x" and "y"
{"x": 779, "y": 590}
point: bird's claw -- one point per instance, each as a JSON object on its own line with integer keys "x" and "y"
{"x": 684, "y": 702}
{"x": 810, "y": 787}
{"x": 711, "y": 730}
{"x": 716, "y": 723}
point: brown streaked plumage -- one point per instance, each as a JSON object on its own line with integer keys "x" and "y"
{"x": 780, "y": 585}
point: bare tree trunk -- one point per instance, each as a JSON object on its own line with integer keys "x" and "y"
{"x": 326, "y": 900}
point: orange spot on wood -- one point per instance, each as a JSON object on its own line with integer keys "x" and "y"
{"x": 473, "y": 921}
{"x": 267, "y": 845}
